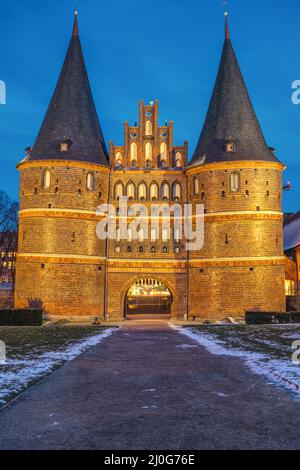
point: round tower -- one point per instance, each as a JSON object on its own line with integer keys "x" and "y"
{"x": 238, "y": 179}
{"x": 63, "y": 179}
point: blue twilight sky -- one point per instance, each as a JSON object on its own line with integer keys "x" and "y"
{"x": 167, "y": 50}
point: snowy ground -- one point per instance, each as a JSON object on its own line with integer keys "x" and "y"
{"x": 33, "y": 353}
{"x": 267, "y": 350}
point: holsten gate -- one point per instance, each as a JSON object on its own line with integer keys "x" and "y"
{"x": 68, "y": 173}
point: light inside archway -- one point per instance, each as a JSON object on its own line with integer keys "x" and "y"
{"x": 150, "y": 288}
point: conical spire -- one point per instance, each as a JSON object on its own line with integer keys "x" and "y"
{"x": 231, "y": 130}
{"x": 71, "y": 116}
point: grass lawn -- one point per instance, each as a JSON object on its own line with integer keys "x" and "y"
{"x": 34, "y": 352}
{"x": 267, "y": 349}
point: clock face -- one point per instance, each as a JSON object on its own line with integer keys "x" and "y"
{"x": 133, "y": 136}
{"x": 148, "y": 114}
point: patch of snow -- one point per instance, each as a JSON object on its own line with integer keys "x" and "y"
{"x": 209, "y": 344}
{"x": 291, "y": 335}
{"x": 267, "y": 342}
{"x": 18, "y": 373}
{"x": 279, "y": 371}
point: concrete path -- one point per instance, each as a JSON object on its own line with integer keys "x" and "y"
{"x": 149, "y": 387}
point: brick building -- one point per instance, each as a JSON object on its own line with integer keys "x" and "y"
{"x": 68, "y": 173}
{"x": 292, "y": 252}
{"x": 7, "y": 266}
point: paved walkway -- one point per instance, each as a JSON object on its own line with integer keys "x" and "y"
{"x": 149, "y": 387}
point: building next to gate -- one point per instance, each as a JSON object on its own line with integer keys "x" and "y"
{"x": 68, "y": 173}
{"x": 292, "y": 252}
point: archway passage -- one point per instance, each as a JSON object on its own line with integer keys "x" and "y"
{"x": 148, "y": 299}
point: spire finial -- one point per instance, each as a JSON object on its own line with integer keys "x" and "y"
{"x": 227, "y": 33}
{"x": 75, "y": 27}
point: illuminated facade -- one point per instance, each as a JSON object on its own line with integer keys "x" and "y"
{"x": 68, "y": 173}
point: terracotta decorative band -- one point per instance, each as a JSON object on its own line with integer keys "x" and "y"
{"x": 145, "y": 270}
{"x": 90, "y": 215}
{"x": 60, "y": 259}
{"x": 158, "y": 172}
{"x": 158, "y": 263}
{"x": 231, "y": 217}
{"x": 236, "y": 262}
{"x": 63, "y": 163}
{"x": 202, "y": 168}
{"x": 57, "y": 213}
{"x": 130, "y": 265}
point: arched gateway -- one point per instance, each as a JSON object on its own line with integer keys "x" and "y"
{"x": 148, "y": 298}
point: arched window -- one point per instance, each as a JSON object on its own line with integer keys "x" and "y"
{"x": 178, "y": 159}
{"x": 133, "y": 152}
{"x": 129, "y": 235}
{"x": 148, "y": 128}
{"x": 118, "y": 159}
{"x": 177, "y": 235}
{"x": 176, "y": 192}
{"x": 130, "y": 191}
{"x": 165, "y": 235}
{"x": 119, "y": 190}
{"x": 141, "y": 235}
{"x": 235, "y": 181}
{"x": 90, "y": 181}
{"x": 196, "y": 186}
{"x": 142, "y": 191}
{"x": 153, "y": 192}
{"x": 148, "y": 151}
{"x": 154, "y": 234}
{"x": 165, "y": 191}
{"x": 46, "y": 179}
{"x": 163, "y": 153}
